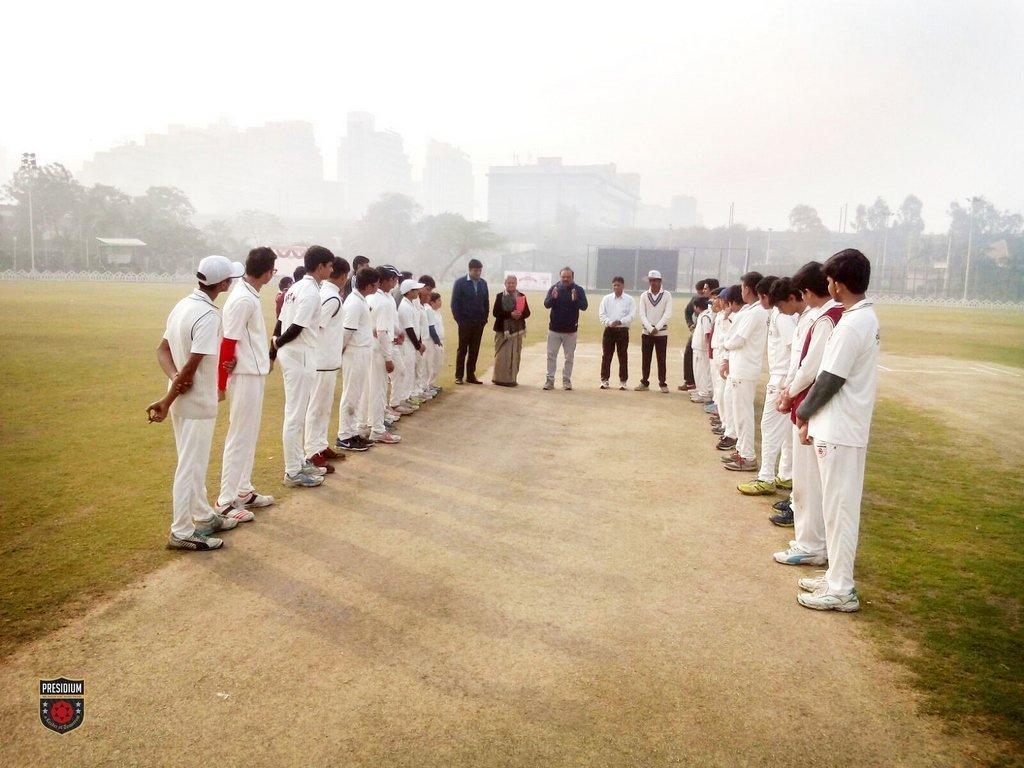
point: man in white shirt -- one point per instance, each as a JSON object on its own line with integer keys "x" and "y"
{"x": 357, "y": 355}
{"x": 808, "y": 546}
{"x": 328, "y": 364}
{"x": 294, "y": 344}
{"x": 701, "y": 363}
{"x": 776, "y": 440}
{"x": 745, "y": 345}
{"x": 244, "y": 366}
{"x": 836, "y": 415}
{"x": 617, "y": 311}
{"x": 655, "y": 313}
{"x": 384, "y": 316}
{"x": 188, "y": 355}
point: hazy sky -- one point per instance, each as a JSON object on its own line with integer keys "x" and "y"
{"x": 765, "y": 104}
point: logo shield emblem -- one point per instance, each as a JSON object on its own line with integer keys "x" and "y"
{"x": 61, "y": 704}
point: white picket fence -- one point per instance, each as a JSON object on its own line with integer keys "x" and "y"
{"x": 98, "y": 277}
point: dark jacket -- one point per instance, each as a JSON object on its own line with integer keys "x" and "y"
{"x": 500, "y": 315}
{"x": 469, "y": 304}
{"x": 565, "y": 313}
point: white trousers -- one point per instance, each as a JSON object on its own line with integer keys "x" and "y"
{"x": 718, "y": 388}
{"x": 298, "y": 369}
{"x": 355, "y": 396}
{"x": 409, "y": 355}
{"x": 808, "y": 521}
{"x": 377, "y": 397}
{"x": 422, "y": 370}
{"x": 437, "y": 364}
{"x": 245, "y": 396}
{"x": 193, "y": 438}
{"x": 702, "y": 374}
{"x": 776, "y": 436}
{"x": 318, "y": 414}
{"x": 842, "y": 484}
{"x": 397, "y": 377}
{"x": 740, "y": 394}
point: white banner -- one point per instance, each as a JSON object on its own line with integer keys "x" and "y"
{"x": 531, "y": 281}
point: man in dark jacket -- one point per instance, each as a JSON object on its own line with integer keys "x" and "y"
{"x": 566, "y": 300}
{"x": 471, "y": 309}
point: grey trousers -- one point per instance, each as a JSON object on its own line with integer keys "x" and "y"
{"x": 567, "y": 341}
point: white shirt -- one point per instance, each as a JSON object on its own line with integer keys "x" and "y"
{"x": 802, "y": 325}
{"x": 302, "y": 307}
{"x": 243, "y": 322}
{"x": 621, "y": 308}
{"x": 820, "y": 329}
{"x": 719, "y": 330}
{"x": 331, "y": 333}
{"x": 407, "y": 317}
{"x": 701, "y": 328}
{"x": 358, "y": 326}
{"x": 852, "y": 354}
{"x": 421, "y": 315}
{"x": 746, "y": 341}
{"x": 655, "y": 311}
{"x": 434, "y": 319}
{"x": 781, "y": 328}
{"x": 384, "y": 316}
{"x": 193, "y": 327}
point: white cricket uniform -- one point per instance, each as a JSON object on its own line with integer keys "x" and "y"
{"x": 356, "y": 366}
{"x": 384, "y": 316}
{"x": 422, "y": 360}
{"x": 808, "y": 519}
{"x": 328, "y": 363}
{"x": 840, "y": 430}
{"x": 436, "y": 350}
{"x": 776, "y": 435}
{"x": 243, "y": 322}
{"x": 193, "y": 327}
{"x": 407, "y": 319}
{"x": 701, "y": 362}
{"x": 719, "y": 330}
{"x": 398, "y": 376}
{"x": 745, "y": 344}
{"x": 298, "y": 366}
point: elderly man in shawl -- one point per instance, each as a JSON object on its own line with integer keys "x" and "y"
{"x": 510, "y": 313}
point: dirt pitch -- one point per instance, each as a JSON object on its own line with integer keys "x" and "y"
{"x": 532, "y": 578}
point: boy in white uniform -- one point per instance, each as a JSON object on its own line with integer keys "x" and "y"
{"x": 423, "y": 361}
{"x": 244, "y": 366}
{"x": 437, "y": 352}
{"x": 188, "y": 356}
{"x": 383, "y": 315}
{"x": 745, "y": 344}
{"x": 294, "y": 344}
{"x": 776, "y": 440}
{"x": 719, "y": 328}
{"x": 836, "y": 414}
{"x": 328, "y": 364}
{"x": 726, "y": 427}
{"x": 699, "y": 350}
{"x": 357, "y": 353}
{"x": 808, "y": 546}
{"x": 413, "y": 346}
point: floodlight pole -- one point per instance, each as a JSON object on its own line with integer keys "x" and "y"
{"x": 970, "y": 237}
{"x": 949, "y": 252}
{"x": 28, "y": 163}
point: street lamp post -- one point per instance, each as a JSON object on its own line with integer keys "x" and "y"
{"x": 970, "y": 237}
{"x": 28, "y": 164}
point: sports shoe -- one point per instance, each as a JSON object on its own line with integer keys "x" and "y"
{"x": 458, "y": 381}
{"x": 731, "y": 457}
{"x": 241, "y": 514}
{"x": 408, "y": 403}
{"x": 216, "y": 523}
{"x": 197, "y": 542}
{"x": 311, "y": 469}
{"x": 389, "y": 424}
{"x": 567, "y": 386}
{"x": 756, "y": 488}
{"x": 641, "y": 387}
{"x": 820, "y": 600}
{"x": 256, "y": 501}
{"x": 794, "y": 556}
{"x": 351, "y": 444}
{"x": 604, "y": 385}
{"x": 812, "y": 583}
{"x": 418, "y": 401}
{"x": 743, "y": 465}
{"x": 699, "y": 400}
{"x": 720, "y": 431}
{"x": 686, "y": 387}
{"x": 332, "y": 455}
{"x": 664, "y": 389}
{"x": 783, "y": 485}
{"x": 711, "y": 407}
{"x": 622, "y": 386}
{"x": 318, "y": 461}
{"x": 404, "y": 410}
{"x": 548, "y": 385}
{"x": 301, "y": 481}
{"x": 387, "y": 438}
{"x": 783, "y": 506}
{"x": 726, "y": 443}
{"x": 782, "y": 519}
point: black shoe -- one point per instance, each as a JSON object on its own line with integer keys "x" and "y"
{"x": 363, "y": 441}
{"x": 458, "y": 381}
{"x": 783, "y": 519}
{"x": 726, "y": 444}
{"x": 352, "y": 444}
{"x": 783, "y": 506}
{"x": 474, "y": 380}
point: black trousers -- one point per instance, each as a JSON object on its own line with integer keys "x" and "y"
{"x": 470, "y": 333}
{"x": 688, "y": 362}
{"x": 615, "y": 340}
{"x": 650, "y": 344}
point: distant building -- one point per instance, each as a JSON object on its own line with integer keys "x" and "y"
{"x": 682, "y": 212}
{"x": 529, "y": 197}
{"x": 447, "y": 180}
{"x": 276, "y": 168}
{"x": 370, "y": 163}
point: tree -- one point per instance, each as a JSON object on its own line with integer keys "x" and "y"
{"x": 910, "y": 224}
{"x": 449, "y": 239}
{"x": 803, "y": 218}
{"x": 221, "y": 238}
{"x": 258, "y": 227}
{"x": 387, "y": 229}
{"x": 163, "y": 219}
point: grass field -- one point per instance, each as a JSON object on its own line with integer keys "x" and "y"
{"x": 85, "y": 491}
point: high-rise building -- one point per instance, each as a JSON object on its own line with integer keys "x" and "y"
{"x": 447, "y": 180}
{"x": 276, "y": 168}
{"x": 527, "y": 197}
{"x": 371, "y": 163}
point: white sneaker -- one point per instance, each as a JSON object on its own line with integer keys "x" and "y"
{"x": 821, "y": 600}
{"x": 812, "y": 583}
{"x": 255, "y": 500}
{"x": 311, "y": 469}
{"x": 604, "y": 385}
{"x": 404, "y": 410}
{"x": 387, "y": 438}
{"x": 795, "y": 556}
{"x": 300, "y": 480}
{"x": 216, "y": 523}
{"x": 197, "y": 542}
{"x": 241, "y": 514}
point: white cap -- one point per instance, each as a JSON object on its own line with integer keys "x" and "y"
{"x": 654, "y": 275}
{"x": 217, "y": 269}
{"x": 410, "y": 285}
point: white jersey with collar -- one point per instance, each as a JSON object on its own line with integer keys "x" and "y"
{"x": 302, "y": 307}
{"x": 331, "y": 334}
{"x": 781, "y": 328}
{"x": 358, "y": 326}
{"x": 193, "y": 327}
{"x": 243, "y": 322}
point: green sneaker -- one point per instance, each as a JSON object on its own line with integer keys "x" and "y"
{"x": 783, "y": 485}
{"x": 756, "y": 488}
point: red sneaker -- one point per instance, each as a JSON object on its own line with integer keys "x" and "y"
{"x": 332, "y": 455}
{"x": 318, "y": 460}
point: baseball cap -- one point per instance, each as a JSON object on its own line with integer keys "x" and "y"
{"x": 410, "y": 285}
{"x": 216, "y": 269}
{"x": 654, "y": 275}
{"x": 391, "y": 270}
